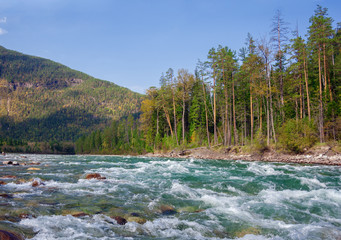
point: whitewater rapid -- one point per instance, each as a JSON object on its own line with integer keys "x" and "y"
{"x": 211, "y": 199}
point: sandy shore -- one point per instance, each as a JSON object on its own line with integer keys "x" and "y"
{"x": 322, "y": 155}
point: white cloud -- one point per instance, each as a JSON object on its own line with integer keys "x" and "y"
{"x": 3, "y": 20}
{"x": 3, "y": 31}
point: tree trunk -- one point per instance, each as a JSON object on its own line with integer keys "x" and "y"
{"x": 301, "y": 101}
{"x": 168, "y": 119}
{"x": 325, "y": 66}
{"x": 306, "y": 86}
{"x": 272, "y": 113}
{"x": 320, "y": 99}
{"x": 183, "y": 118}
{"x": 226, "y": 117}
{"x": 251, "y": 113}
{"x": 206, "y": 115}
{"x": 234, "y": 115}
{"x": 174, "y": 113}
{"x": 214, "y": 113}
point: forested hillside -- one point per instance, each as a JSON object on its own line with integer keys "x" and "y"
{"x": 44, "y": 101}
{"x": 283, "y": 92}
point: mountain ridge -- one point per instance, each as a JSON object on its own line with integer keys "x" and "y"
{"x": 42, "y": 100}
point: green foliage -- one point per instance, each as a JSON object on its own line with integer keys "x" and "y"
{"x": 122, "y": 137}
{"x": 259, "y": 143}
{"x": 298, "y": 136}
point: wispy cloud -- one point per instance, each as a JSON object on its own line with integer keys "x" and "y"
{"x": 3, "y": 31}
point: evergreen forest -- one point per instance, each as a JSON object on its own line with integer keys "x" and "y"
{"x": 278, "y": 92}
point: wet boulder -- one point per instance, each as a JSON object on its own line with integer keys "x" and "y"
{"x": 138, "y": 220}
{"x": 3, "y": 183}
{"x": 9, "y": 177}
{"x": 7, "y": 162}
{"x": 120, "y": 220}
{"x": 94, "y": 176}
{"x": 5, "y": 195}
{"x": 37, "y": 183}
{"x": 80, "y": 214}
{"x": 33, "y": 169}
{"x": 6, "y": 235}
{"x": 9, "y": 218}
{"x": 34, "y": 163}
{"x": 167, "y": 210}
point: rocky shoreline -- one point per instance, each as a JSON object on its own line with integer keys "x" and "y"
{"x": 324, "y": 155}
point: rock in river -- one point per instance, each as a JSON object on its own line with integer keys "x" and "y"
{"x": 167, "y": 210}
{"x": 94, "y": 176}
{"x": 5, "y": 235}
{"x": 120, "y": 220}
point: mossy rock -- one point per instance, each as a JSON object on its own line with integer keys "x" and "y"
{"x": 138, "y": 220}
{"x": 246, "y": 231}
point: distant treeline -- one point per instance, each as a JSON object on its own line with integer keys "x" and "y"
{"x": 10, "y": 145}
{"x": 273, "y": 92}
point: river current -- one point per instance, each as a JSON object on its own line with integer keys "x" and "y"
{"x": 170, "y": 199}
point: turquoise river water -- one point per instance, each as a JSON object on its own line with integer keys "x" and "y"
{"x": 169, "y": 199}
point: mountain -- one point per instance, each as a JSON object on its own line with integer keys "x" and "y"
{"x": 41, "y": 100}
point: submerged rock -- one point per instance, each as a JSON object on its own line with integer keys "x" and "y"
{"x": 33, "y": 169}
{"x": 80, "y": 214}
{"x": 34, "y": 163}
{"x": 94, "y": 176}
{"x": 167, "y": 210}
{"x": 9, "y": 218}
{"x": 6, "y": 235}
{"x": 137, "y": 220}
{"x": 120, "y": 220}
{"x": 5, "y": 195}
{"x": 37, "y": 183}
{"x": 246, "y": 231}
{"x": 9, "y": 177}
{"x": 191, "y": 209}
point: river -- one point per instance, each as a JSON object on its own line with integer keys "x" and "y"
{"x": 170, "y": 199}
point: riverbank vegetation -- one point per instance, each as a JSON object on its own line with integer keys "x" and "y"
{"x": 275, "y": 92}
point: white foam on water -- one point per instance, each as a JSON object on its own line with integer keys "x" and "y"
{"x": 175, "y": 228}
{"x": 263, "y": 169}
{"x": 70, "y": 163}
{"x": 68, "y": 227}
{"x": 181, "y": 189}
{"x": 312, "y": 182}
{"x": 328, "y": 195}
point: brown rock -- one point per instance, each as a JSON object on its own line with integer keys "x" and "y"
{"x": 94, "y": 176}
{"x": 9, "y": 218}
{"x": 120, "y": 220}
{"x": 37, "y": 183}
{"x": 33, "y": 169}
{"x": 9, "y": 177}
{"x": 80, "y": 214}
{"x": 5, "y": 235}
{"x": 138, "y": 220}
{"x": 25, "y": 215}
{"x": 34, "y": 163}
{"x": 5, "y": 195}
{"x": 167, "y": 210}
{"x": 2, "y": 183}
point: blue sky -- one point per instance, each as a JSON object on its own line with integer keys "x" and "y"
{"x": 131, "y": 42}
